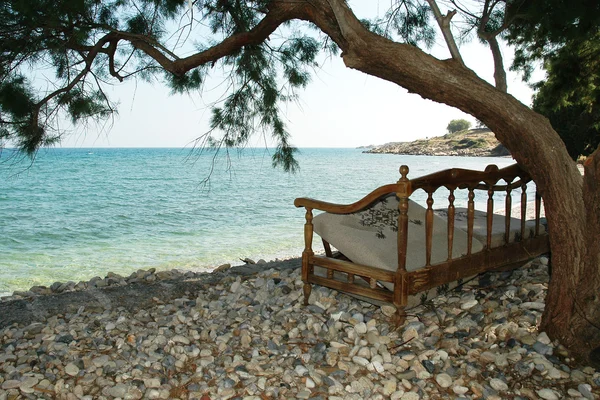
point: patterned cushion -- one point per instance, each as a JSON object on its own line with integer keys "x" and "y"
{"x": 369, "y": 237}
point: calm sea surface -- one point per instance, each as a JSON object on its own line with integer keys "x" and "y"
{"x": 78, "y": 213}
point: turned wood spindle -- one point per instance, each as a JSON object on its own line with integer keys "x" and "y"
{"x": 470, "y": 220}
{"x": 429, "y": 229}
{"x": 490, "y": 216}
{"x": 451, "y": 212}
{"x": 508, "y": 209}
{"x": 523, "y": 209}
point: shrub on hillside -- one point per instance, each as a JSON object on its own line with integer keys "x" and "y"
{"x": 457, "y": 125}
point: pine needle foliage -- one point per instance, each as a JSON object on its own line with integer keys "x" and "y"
{"x": 59, "y": 56}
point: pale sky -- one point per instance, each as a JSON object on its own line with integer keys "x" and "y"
{"x": 339, "y": 108}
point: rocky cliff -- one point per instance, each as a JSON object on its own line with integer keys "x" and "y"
{"x": 469, "y": 143}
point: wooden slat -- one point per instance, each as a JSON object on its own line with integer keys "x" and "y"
{"x": 508, "y": 210}
{"x": 470, "y": 220}
{"x": 400, "y": 296}
{"x": 428, "y": 228}
{"x": 451, "y": 212}
{"x": 490, "y": 216}
{"x": 538, "y": 209}
{"x": 514, "y": 254}
{"x": 402, "y": 232}
{"x": 308, "y": 238}
{"x": 352, "y": 268}
{"x": 377, "y": 294}
{"x": 523, "y": 210}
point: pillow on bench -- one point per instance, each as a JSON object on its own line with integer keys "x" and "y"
{"x": 370, "y": 237}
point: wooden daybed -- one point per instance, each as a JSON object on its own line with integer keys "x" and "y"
{"x": 391, "y": 249}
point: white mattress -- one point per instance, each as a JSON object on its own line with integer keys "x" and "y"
{"x": 498, "y": 228}
{"x": 370, "y": 237}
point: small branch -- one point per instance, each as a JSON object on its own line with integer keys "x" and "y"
{"x": 444, "y": 23}
{"x": 499, "y": 72}
{"x": 492, "y": 39}
{"x": 88, "y": 64}
{"x": 463, "y": 10}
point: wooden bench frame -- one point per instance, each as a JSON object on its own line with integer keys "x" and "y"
{"x": 406, "y": 283}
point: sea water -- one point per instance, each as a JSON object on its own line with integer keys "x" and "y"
{"x": 73, "y": 214}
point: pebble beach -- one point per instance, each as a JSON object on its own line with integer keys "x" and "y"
{"x": 244, "y": 333}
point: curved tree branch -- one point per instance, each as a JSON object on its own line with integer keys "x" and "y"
{"x": 89, "y": 59}
{"x": 279, "y": 13}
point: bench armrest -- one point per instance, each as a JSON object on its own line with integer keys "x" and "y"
{"x": 360, "y": 205}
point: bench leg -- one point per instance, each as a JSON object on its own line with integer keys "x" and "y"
{"x": 399, "y": 316}
{"x": 400, "y": 298}
{"x": 307, "y": 289}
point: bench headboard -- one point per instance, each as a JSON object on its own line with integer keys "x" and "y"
{"x": 492, "y": 180}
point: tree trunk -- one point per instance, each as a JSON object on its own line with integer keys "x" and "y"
{"x": 571, "y": 314}
{"x": 573, "y": 317}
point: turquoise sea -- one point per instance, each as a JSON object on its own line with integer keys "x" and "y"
{"x": 74, "y": 214}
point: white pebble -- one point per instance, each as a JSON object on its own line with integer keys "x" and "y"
{"x": 72, "y": 369}
{"x": 444, "y": 380}
{"x": 469, "y": 304}
{"x": 459, "y": 390}
{"x": 499, "y": 385}
{"x": 543, "y": 338}
{"x": 361, "y": 328}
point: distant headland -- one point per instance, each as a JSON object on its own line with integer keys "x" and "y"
{"x": 467, "y": 143}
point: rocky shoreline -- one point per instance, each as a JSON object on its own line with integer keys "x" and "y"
{"x": 469, "y": 143}
{"x": 243, "y": 332}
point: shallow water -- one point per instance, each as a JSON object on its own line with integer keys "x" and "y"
{"x": 78, "y": 213}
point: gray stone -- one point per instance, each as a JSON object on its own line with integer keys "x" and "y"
{"x": 586, "y": 391}
{"x": 542, "y": 348}
{"x": 533, "y": 305}
{"x": 10, "y": 384}
{"x": 180, "y": 339}
{"x": 72, "y": 369}
{"x": 465, "y": 323}
{"x": 408, "y": 375}
{"x": 547, "y": 394}
{"x": 410, "y": 396}
{"x": 119, "y": 390}
{"x": 499, "y": 385}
